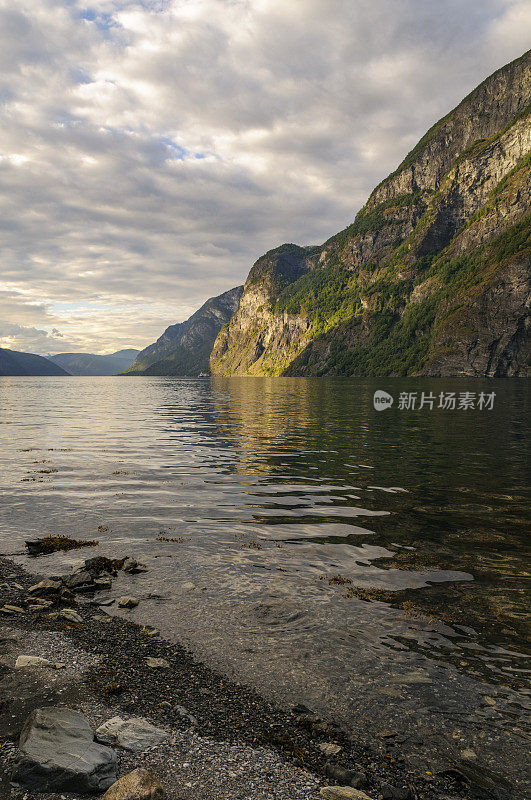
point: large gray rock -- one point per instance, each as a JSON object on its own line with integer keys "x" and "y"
{"x": 134, "y": 734}
{"x": 59, "y": 754}
{"x": 137, "y": 785}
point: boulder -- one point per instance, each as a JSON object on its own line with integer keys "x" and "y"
{"x": 137, "y": 785}
{"x": 342, "y": 793}
{"x": 59, "y": 754}
{"x": 134, "y": 734}
{"x": 128, "y": 602}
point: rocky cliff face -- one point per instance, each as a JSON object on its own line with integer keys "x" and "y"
{"x": 431, "y": 278}
{"x": 184, "y": 348}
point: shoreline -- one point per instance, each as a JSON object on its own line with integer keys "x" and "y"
{"x": 205, "y": 713}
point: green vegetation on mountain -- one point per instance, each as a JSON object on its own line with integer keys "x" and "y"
{"x": 432, "y": 277}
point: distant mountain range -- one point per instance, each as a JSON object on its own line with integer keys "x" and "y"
{"x": 91, "y": 364}
{"x": 184, "y": 348}
{"x": 13, "y": 362}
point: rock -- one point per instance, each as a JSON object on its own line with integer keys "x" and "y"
{"x": 40, "y": 601}
{"x": 15, "y": 609}
{"x": 468, "y": 755}
{"x": 106, "y": 601}
{"x": 36, "y": 661}
{"x": 134, "y": 734}
{"x": 100, "y": 564}
{"x": 151, "y": 631}
{"x": 46, "y": 587}
{"x": 133, "y": 567}
{"x": 389, "y": 792}
{"x": 102, "y": 584}
{"x": 188, "y": 586}
{"x": 59, "y": 754}
{"x": 157, "y": 662}
{"x": 137, "y": 785}
{"x": 81, "y": 581}
{"x": 345, "y": 777}
{"x": 342, "y": 793}
{"x": 128, "y": 602}
{"x": 329, "y": 749}
{"x": 70, "y": 615}
{"x": 185, "y": 714}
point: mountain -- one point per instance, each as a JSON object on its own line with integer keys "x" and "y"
{"x": 184, "y": 348}
{"x": 13, "y": 362}
{"x": 431, "y": 278}
{"x": 91, "y": 364}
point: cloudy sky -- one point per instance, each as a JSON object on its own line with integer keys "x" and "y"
{"x": 151, "y": 150}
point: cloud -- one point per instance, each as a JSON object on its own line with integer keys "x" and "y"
{"x": 151, "y": 151}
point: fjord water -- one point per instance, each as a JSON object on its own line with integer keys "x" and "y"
{"x": 246, "y": 496}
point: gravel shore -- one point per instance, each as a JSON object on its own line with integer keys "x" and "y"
{"x": 225, "y": 740}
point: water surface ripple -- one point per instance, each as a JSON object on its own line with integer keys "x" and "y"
{"x": 370, "y": 564}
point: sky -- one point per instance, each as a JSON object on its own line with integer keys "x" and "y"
{"x": 152, "y": 150}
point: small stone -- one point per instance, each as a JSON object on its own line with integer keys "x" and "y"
{"x": 33, "y": 661}
{"x": 188, "y": 586}
{"x": 185, "y": 714}
{"x": 133, "y": 567}
{"x": 137, "y": 785}
{"x": 46, "y": 587}
{"x": 468, "y": 755}
{"x": 151, "y": 631}
{"x": 345, "y": 777}
{"x": 40, "y": 601}
{"x": 102, "y": 584}
{"x": 134, "y": 734}
{"x": 70, "y": 615}
{"x": 329, "y": 749}
{"x": 342, "y": 793}
{"x": 157, "y": 662}
{"x": 389, "y": 792}
{"x": 490, "y": 700}
{"x": 128, "y": 602}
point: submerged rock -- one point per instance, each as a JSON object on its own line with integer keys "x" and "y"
{"x": 59, "y": 753}
{"x": 127, "y": 601}
{"x": 134, "y": 734}
{"x": 137, "y": 785}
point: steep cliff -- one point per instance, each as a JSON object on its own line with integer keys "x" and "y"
{"x": 184, "y": 348}
{"x": 432, "y": 277}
